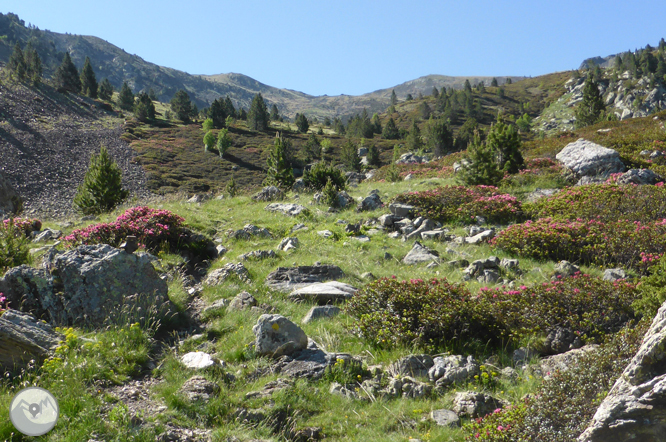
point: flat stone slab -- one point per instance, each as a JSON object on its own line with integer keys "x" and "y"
{"x": 324, "y": 293}
{"x": 320, "y": 312}
{"x": 287, "y": 279}
{"x": 197, "y": 360}
{"x": 445, "y": 418}
{"x": 286, "y": 208}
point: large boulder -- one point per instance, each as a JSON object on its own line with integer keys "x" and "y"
{"x": 287, "y": 279}
{"x": 370, "y": 202}
{"x": 10, "y": 201}
{"x": 585, "y": 158}
{"x": 277, "y": 336}
{"x": 635, "y": 408}
{"x": 91, "y": 285}
{"x": 23, "y": 338}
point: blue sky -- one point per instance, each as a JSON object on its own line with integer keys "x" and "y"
{"x": 353, "y": 47}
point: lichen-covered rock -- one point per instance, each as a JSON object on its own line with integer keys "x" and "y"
{"x": 320, "y": 312}
{"x": 276, "y": 336}
{"x": 287, "y": 279}
{"x": 242, "y": 301}
{"x": 24, "y": 338}
{"x": 198, "y": 388}
{"x": 218, "y": 276}
{"x": 585, "y": 158}
{"x": 370, "y": 202}
{"x": 635, "y": 407}
{"x": 474, "y": 404}
{"x": 249, "y": 231}
{"x": 640, "y": 177}
{"x": 288, "y": 244}
{"x": 286, "y": 208}
{"x": 448, "y": 370}
{"x": 269, "y": 193}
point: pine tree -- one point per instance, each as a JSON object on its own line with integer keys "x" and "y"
{"x": 302, "y": 123}
{"x": 479, "y": 166}
{"x": 590, "y": 110}
{"x": 218, "y": 113}
{"x": 424, "y": 110}
{"x": 376, "y": 124}
{"x": 229, "y": 109}
{"x": 101, "y": 190}
{"x": 33, "y": 64}
{"x": 373, "y": 156}
{"x": 504, "y": 141}
{"x": 508, "y": 80}
{"x": 468, "y": 86}
{"x": 152, "y": 94}
{"x": 181, "y": 106}
{"x": 16, "y": 64}
{"x": 275, "y": 114}
{"x": 439, "y": 136}
{"x": 66, "y": 77}
{"x": 312, "y": 148}
{"x": 88, "y": 80}
{"x": 350, "y": 157}
{"x": 390, "y": 131}
{"x": 144, "y": 109}
{"x": 105, "y": 91}
{"x": 394, "y": 98}
{"x": 257, "y": 116}
{"x": 414, "y": 142}
{"x": 279, "y": 172}
{"x": 209, "y": 140}
{"x": 466, "y": 134}
{"x": 126, "y": 98}
{"x": 223, "y": 142}
{"x": 409, "y": 97}
{"x": 435, "y": 92}
{"x": 494, "y": 83}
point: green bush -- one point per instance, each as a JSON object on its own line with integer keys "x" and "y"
{"x": 321, "y": 173}
{"x": 652, "y": 288}
{"x": 101, "y": 190}
{"x": 14, "y": 244}
{"x": 464, "y": 204}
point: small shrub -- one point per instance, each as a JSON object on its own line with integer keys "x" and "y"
{"x": 101, "y": 189}
{"x": 330, "y": 193}
{"x": 320, "y": 174}
{"x": 14, "y": 243}
{"x": 591, "y": 242}
{"x": 652, "y": 288}
{"x": 464, "y": 204}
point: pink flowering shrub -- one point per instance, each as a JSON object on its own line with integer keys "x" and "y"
{"x": 3, "y": 302}
{"x": 435, "y": 313}
{"x": 463, "y": 204}
{"x": 628, "y": 243}
{"x": 26, "y": 225}
{"x": 605, "y": 202}
{"x": 155, "y": 229}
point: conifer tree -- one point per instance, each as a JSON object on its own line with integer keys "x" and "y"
{"x": 33, "y": 64}
{"x": 218, "y": 113}
{"x": 373, "y": 156}
{"x": 223, "y": 141}
{"x": 394, "y": 98}
{"x": 376, "y": 124}
{"x": 414, "y": 142}
{"x": 390, "y": 131}
{"x": 479, "y": 166}
{"x": 209, "y": 140}
{"x": 231, "y": 110}
{"x": 312, "y": 148}
{"x": 279, "y": 172}
{"x": 105, "y": 91}
{"x": 468, "y": 86}
{"x": 409, "y": 97}
{"x": 424, "y": 110}
{"x": 101, "y": 190}
{"x": 66, "y": 77}
{"x": 126, "y": 97}
{"x": 350, "y": 157}
{"x": 504, "y": 141}
{"x": 144, "y": 109}
{"x": 435, "y": 92}
{"x": 181, "y": 106}
{"x": 590, "y": 110}
{"x": 508, "y": 80}
{"x": 88, "y": 80}
{"x": 302, "y": 123}
{"x": 257, "y": 116}
{"x": 439, "y": 136}
{"x": 493, "y": 83}
{"x": 16, "y": 64}
{"x": 275, "y": 114}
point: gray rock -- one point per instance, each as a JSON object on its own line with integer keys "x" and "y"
{"x": 23, "y": 338}
{"x": 340, "y": 390}
{"x": 276, "y": 336}
{"x": 420, "y": 254}
{"x": 412, "y": 365}
{"x": 448, "y": 370}
{"x": 585, "y": 158}
{"x": 564, "y": 361}
{"x": 458, "y": 263}
{"x": 287, "y": 279}
{"x": 249, "y": 231}
{"x": 401, "y": 210}
{"x": 287, "y": 244}
{"x": 411, "y": 388}
{"x": 325, "y": 233}
{"x": 410, "y": 158}
{"x": 242, "y": 301}
{"x": 523, "y": 355}
{"x": 270, "y": 388}
{"x": 640, "y": 177}
{"x": 424, "y": 226}
{"x": 323, "y": 293}
{"x": 258, "y": 255}
{"x": 286, "y": 208}
{"x": 445, "y": 418}
{"x": 488, "y": 277}
{"x": 321, "y": 311}
{"x": 560, "y": 340}
{"x": 482, "y": 237}
{"x": 354, "y": 177}
{"x": 197, "y": 360}
{"x": 216, "y": 307}
{"x": 10, "y": 201}
{"x": 344, "y": 199}
{"x": 360, "y": 238}
{"x": 353, "y": 228}
{"x": 221, "y": 250}
{"x": 565, "y": 269}
{"x": 473, "y": 404}
{"x": 634, "y": 408}
{"x": 509, "y": 264}
{"x": 198, "y": 199}
{"x": 439, "y": 234}
{"x": 370, "y": 202}
{"x": 298, "y": 227}
{"x": 198, "y": 388}
{"x": 388, "y": 220}
{"x": 47, "y": 235}
{"x": 218, "y": 276}
{"x": 299, "y": 185}
{"x": 614, "y": 274}
{"x": 270, "y": 193}
{"x": 540, "y": 193}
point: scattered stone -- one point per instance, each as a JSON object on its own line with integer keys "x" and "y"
{"x": 198, "y": 388}
{"x": 287, "y": 244}
{"x": 412, "y": 365}
{"x": 48, "y": 235}
{"x": 242, "y": 301}
{"x": 562, "y": 362}
{"x": 323, "y": 293}
{"x": 387, "y": 220}
{"x": 473, "y": 404}
{"x": 23, "y": 338}
{"x": 540, "y": 193}
{"x": 340, "y": 390}
{"x": 218, "y": 276}
{"x": 387, "y": 256}
{"x": 216, "y": 307}
{"x": 509, "y": 264}
{"x": 408, "y": 387}
{"x": 320, "y": 312}
{"x": 360, "y": 238}
{"x": 585, "y": 158}
{"x": 197, "y": 360}
{"x": 325, "y": 233}
{"x": 560, "y": 340}
{"x": 420, "y": 254}
{"x": 256, "y": 416}
{"x": 488, "y": 277}
{"x": 258, "y": 255}
{"x": 277, "y": 336}
{"x": 484, "y": 236}
{"x": 614, "y": 274}
{"x": 410, "y": 158}
{"x": 458, "y": 165}
{"x": 298, "y": 227}
{"x": 565, "y": 269}
{"x": 424, "y": 226}
{"x": 270, "y": 388}
{"x": 394, "y": 235}
{"x": 368, "y": 276}
{"x": 523, "y": 355}
{"x": 250, "y": 231}
{"x": 270, "y": 193}
{"x": 221, "y": 250}
{"x": 448, "y": 370}
{"x": 458, "y": 263}
{"x": 287, "y": 279}
{"x": 438, "y": 234}
{"x": 445, "y": 418}
{"x": 198, "y": 199}
{"x": 369, "y": 203}
{"x": 353, "y": 228}
{"x": 307, "y": 434}
{"x": 640, "y": 177}
{"x": 299, "y": 185}
{"x": 401, "y": 210}
{"x": 286, "y": 208}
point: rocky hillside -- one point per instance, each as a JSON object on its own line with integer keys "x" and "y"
{"x": 118, "y": 66}
{"x": 46, "y": 141}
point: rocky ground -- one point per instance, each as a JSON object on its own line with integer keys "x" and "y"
{"x": 71, "y": 129}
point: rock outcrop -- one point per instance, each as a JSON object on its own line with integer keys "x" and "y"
{"x": 24, "y": 338}
{"x": 287, "y": 279}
